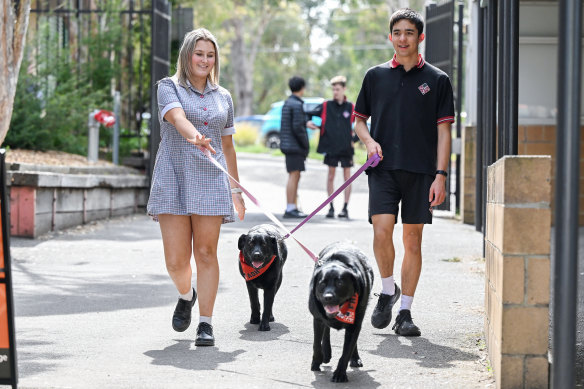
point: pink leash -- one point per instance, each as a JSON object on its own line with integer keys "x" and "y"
{"x": 373, "y": 161}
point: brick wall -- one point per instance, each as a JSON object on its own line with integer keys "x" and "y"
{"x": 517, "y": 273}
{"x": 533, "y": 140}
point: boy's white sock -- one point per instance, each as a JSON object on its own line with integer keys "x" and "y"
{"x": 187, "y": 296}
{"x": 406, "y": 302}
{"x": 388, "y": 285}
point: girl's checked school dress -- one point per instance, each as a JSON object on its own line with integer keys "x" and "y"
{"x": 184, "y": 181}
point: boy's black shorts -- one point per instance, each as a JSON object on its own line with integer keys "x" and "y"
{"x": 333, "y": 160}
{"x": 295, "y": 162}
{"x": 388, "y": 187}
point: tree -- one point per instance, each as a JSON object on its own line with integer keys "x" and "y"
{"x": 240, "y": 26}
{"x": 14, "y": 14}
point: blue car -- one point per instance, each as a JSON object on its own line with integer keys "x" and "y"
{"x": 270, "y": 130}
{"x": 255, "y": 121}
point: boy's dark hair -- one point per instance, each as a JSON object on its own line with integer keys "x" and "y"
{"x": 408, "y": 14}
{"x": 296, "y": 83}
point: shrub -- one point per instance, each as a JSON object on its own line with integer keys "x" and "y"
{"x": 51, "y": 112}
{"x": 245, "y": 135}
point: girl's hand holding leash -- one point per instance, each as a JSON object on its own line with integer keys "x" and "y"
{"x": 202, "y": 143}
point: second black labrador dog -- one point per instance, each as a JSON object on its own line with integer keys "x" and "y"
{"x": 262, "y": 257}
{"x": 339, "y": 293}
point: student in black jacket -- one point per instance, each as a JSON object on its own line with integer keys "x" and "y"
{"x": 294, "y": 143}
{"x": 336, "y": 138}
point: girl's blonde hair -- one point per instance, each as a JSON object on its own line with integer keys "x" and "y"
{"x": 185, "y": 55}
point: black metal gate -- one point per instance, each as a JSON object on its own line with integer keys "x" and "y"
{"x": 141, "y": 56}
{"x": 160, "y": 68}
{"x": 440, "y": 53}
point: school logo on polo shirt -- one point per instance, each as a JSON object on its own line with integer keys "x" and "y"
{"x": 346, "y": 114}
{"x": 424, "y": 88}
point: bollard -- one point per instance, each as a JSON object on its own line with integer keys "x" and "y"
{"x": 97, "y": 117}
{"x": 93, "y": 138}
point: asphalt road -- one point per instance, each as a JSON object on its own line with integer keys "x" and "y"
{"x": 94, "y": 305}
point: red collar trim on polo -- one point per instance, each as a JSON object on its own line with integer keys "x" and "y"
{"x": 347, "y": 311}
{"x": 250, "y": 272}
{"x": 394, "y": 63}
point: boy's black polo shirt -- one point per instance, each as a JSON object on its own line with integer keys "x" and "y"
{"x": 405, "y": 110}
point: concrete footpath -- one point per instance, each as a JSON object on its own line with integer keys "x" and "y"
{"x": 94, "y": 305}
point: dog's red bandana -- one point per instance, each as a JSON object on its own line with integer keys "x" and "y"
{"x": 347, "y": 312}
{"x": 251, "y": 272}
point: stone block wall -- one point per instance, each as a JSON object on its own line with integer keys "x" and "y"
{"x": 43, "y": 201}
{"x": 533, "y": 140}
{"x": 517, "y": 272}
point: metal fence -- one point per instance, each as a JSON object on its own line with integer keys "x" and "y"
{"x": 141, "y": 51}
{"x": 440, "y": 53}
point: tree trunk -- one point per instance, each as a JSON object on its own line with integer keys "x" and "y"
{"x": 244, "y": 50}
{"x": 13, "y": 32}
{"x": 242, "y": 70}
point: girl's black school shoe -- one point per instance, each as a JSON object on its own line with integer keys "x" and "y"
{"x": 205, "y": 335}
{"x": 181, "y": 319}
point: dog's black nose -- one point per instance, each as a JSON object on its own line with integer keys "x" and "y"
{"x": 328, "y": 297}
{"x": 256, "y": 256}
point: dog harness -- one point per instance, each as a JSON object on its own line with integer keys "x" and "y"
{"x": 347, "y": 312}
{"x": 251, "y": 273}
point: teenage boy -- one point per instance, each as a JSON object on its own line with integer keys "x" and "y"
{"x": 294, "y": 143}
{"x": 336, "y": 138}
{"x": 410, "y": 103}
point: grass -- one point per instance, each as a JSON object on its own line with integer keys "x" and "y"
{"x": 453, "y": 259}
{"x": 257, "y": 149}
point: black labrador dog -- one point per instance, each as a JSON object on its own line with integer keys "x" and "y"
{"x": 262, "y": 257}
{"x": 339, "y": 293}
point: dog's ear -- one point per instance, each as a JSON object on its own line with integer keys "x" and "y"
{"x": 241, "y": 241}
{"x": 315, "y": 279}
{"x": 358, "y": 282}
{"x": 274, "y": 242}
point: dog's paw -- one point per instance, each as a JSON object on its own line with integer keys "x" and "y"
{"x": 356, "y": 362}
{"x": 315, "y": 366}
{"x": 264, "y": 327}
{"x": 272, "y": 318}
{"x": 254, "y": 319}
{"x": 340, "y": 376}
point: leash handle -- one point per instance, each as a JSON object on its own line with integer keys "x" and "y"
{"x": 373, "y": 161}
{"x": 257, "y": 203}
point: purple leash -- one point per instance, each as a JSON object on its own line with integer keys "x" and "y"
{"x": 373, "y": 161}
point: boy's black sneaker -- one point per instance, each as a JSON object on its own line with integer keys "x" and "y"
{"x": 181, "y": 319}
{"x": 404, "y": 325}
{"x": 331, "y": 213}
{"x": 205, "y": 335}
{"x": 381, "y": 316}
